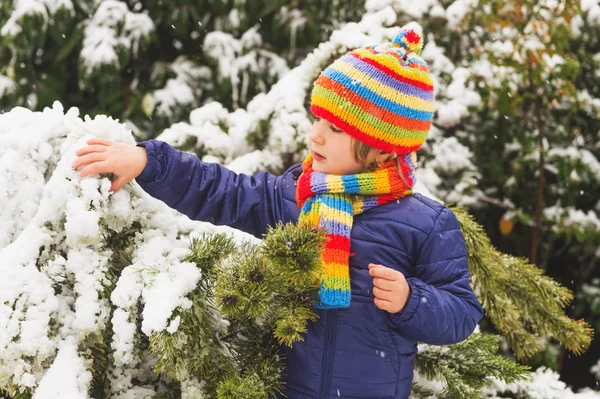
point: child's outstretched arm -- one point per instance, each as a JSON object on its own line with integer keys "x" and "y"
{"x": 202, "y": 191}
{"x": 441, "y": 308}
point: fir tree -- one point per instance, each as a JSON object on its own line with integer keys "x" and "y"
{"x": 518, "y": 103}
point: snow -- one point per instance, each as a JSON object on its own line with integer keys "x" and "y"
{"x": 414, "y": 10}
{"x": 138, "y": 27}
{"x": 166, "y": 282}
{"x": 596, "y": 369}
{"x": 436, "y": 59}
{"x": 238, "y": 59}
{"x": 255, "y": 161}
{"x": 191, "y": 388}
{"x": 450, "y": 113}
{"x": 222, "y": 47}
{"x": 451, "y": 159}
{"x": 24, "y": 9}
{"x": 102, "y": 43}
{"x": 182, "y": 91}
{"x": 543, "y": 384}
{"x": 89, "y": 268}
{"x": 176, "y": 94}
{"x": 7, "y": 86}
{"x": 578, "y": 156}
{"x": 570, "y": 217}
{"x": 55, "y": 5}
{"x": 591, "y": 293}
{"x": 455, "y": 13}
{"x": 111, "y": 34}
{"x": 68, "y": 376}
{"x": 592, "y": 8}
{"x": 58, "y": 238}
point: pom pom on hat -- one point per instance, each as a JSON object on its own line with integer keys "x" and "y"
{"x": 410, "y": 40}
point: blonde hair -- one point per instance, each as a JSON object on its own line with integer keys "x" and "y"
{"x": 361, "y": 155}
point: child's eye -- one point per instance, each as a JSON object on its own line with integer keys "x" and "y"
{"x": 316, "y": 118}
{"x": 335, "y": 129}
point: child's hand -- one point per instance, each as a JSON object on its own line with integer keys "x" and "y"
{"x": 389, "y": 287}
{"x": 125, "y": 161}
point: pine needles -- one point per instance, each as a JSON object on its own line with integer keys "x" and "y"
{"x": 263, "y": 292}
{"x": 518, "y": 298}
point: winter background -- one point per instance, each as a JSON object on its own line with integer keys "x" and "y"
{"x": 515, "y": 140}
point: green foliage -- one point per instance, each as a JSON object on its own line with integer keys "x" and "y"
{"x": 6, "y": 395}
{"x": 466, "y": 367}
{"x": 534, "y": 132}
{"x": 518, "y": 298}
{"x": 529, "y": 170}
{"x": 248, "y": 387}
{"x": 207, "y": 250}
{"x": 296, "y": 252}
{"x": 45, "y": 59}
{"x": 270, "y": 287}
{"x": 263, "y": 292}
{"x": 195, "y": 348}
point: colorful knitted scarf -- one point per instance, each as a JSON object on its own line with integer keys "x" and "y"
{"x": 330, "y": 202}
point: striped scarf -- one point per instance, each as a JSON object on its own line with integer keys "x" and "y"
{"x": 330, "y": 202}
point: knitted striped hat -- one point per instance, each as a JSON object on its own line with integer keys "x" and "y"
{"x": 381, "y": 95}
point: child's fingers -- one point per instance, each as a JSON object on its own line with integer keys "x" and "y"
{"x": 383, "y": 294}
{"x": 89, "y": 158}
{"x": 383, "y": 272}
{"x": 118, "y": 183}
{"x": 95, "y": 168}
{"x": 99, "y": 141}
{"x": 90, "y": 148}
{"x": 383, "y": 284}
{"x": 383, "y": 304}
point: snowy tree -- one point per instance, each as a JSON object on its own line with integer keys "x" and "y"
{"x": 518, "y": 99}
{"x": 155, "y": 61}
{"x": 514, "y": 135}
{"x": 117, "y": 295}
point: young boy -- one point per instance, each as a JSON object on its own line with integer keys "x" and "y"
{"x": 395, "y": 266}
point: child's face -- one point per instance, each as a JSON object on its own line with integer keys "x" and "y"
{"x": 332, "y": 150}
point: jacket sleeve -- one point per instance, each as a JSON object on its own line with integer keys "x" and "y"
{"x": 442, "y": 308}
{"x": 210, "y": 192}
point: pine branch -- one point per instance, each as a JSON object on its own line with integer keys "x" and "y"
{"x": 419, "y": 392}
{"x": 263, "y": 291}
{"x": 195, "y": 348}
{"x": 248, "y": 387}
{"x": 208, "y": 249}
{"x": 466, "y": 367}
{"x": 519, "y": 299}
{"x": 296, "y": 251}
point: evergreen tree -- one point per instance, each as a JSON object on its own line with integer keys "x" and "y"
{"x": 519, "y": 101}
{"x": 517, "y": 106}
{"x": 154, "y": 61}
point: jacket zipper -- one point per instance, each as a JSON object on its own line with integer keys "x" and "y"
{"x": 328, "y": 353}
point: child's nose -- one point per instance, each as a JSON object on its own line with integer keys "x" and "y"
{"x": 316, "y": 133}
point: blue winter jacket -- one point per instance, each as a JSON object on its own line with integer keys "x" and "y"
{"x": 361, "y": 351}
